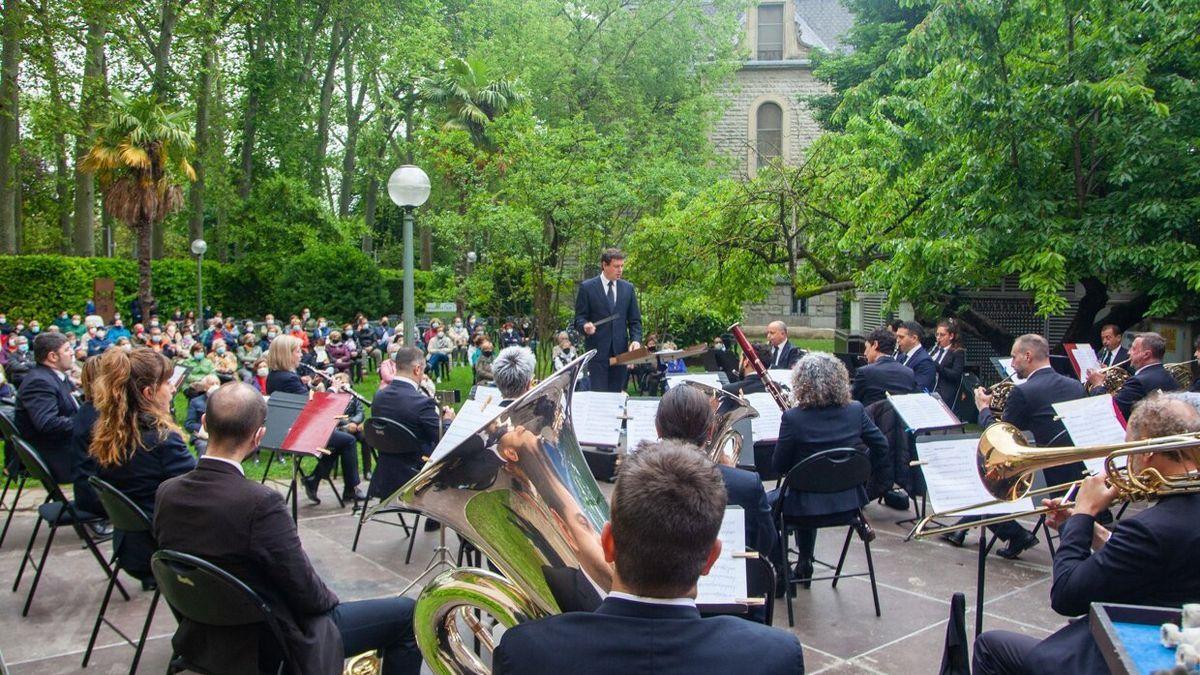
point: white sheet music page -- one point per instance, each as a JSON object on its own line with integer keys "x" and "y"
{"x": 781, "y": 377}
{"x": 953, "y": 481}
{"x": 598, "y": 417}
{"x": 483, "y": 391}
{"x": 711, "y": 379}
{"x": 923, "y": 411}
{"x": 725, "y": 583}
{"x": 765, "y": 427}
{"x": 473, "y": 414}
{"x": 1092, "y": 420}
{"x": 640, "y": 423}
{"x": 1009, "y": 372}
{"x": 1084, "y": 358}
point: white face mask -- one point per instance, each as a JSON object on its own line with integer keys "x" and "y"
{"x": 263, "y": 372}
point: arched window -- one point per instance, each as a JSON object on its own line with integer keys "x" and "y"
{"x": 769, "y": 131}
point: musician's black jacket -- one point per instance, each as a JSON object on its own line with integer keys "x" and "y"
{"x": 1143, "y": 383}
{"x": 751, "y": 384}
{"x": 949, "y": 374}
{"x": 623, "y": 636}
{"x": 1029, "y": 406}
{"x": 875, "y": 381}
{"x": 1149, "y": 560}
{"x": 45, "y": 417}
{"x": 924, "y": 369}
{"x": 286, "y": 381}
{"x": 788, "y": 358}
{"x": 401, "y": 402}
{"x": 744, "y": 489}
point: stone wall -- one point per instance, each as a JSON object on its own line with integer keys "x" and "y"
{"x": 821, "y": 314}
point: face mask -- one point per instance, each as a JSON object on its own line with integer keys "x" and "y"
{"x": 100, "y": 334}
{"x": 272, "y": 335}
{"x": 198, "y": 355}
{"x": 487, "y": 352}
{"x": 321, "y": 324}
{"x": 127, "y": 348}
{"x": 154, "y": 324}
{"x": 23, "y": 348}
{"x": 35, "y": 328}
{"x": 457, "y": 323}
{"x": 156, "y": 338}
{"x": 306, "y": 315}
{"x": 295, "y": 326}
{"x": 720, "y": 348}
{"x": 20, "y": 327}
{"x": 117, "y": 324}
{"x": 220, "y": 350}
{"x": 3, "y": 319}
{"x": 74, "y": 322}
{"x": 441, "y": 334}
{"x": 263, "y": 372}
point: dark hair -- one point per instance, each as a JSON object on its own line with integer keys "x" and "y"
{"x": 611, "y": 254}
{"x": 951, "y": 326}
{"x": 884, "y": 339}
{"x": 684, "y": 414}
{"x": 234, "y": 413}
{"x": 1112, "y": 327}
{"x": 1155, "y": 343}
{"x": 408, "y": 357}
{"x": 667, "y": 508}
{"x": 914, "y": 328}
{"x": 895, "y": 325}
{"x": 46, "y": 343}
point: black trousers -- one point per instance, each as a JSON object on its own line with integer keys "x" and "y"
{"x": 343, "y": 445}
{"x": 1001, "y": 652}
{"x": 385, "y": 624}
{"x": 606, "y": 378}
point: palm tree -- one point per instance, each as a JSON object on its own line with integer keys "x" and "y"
{"x": 470, "y": 97}
{"x": 139, "y": 156}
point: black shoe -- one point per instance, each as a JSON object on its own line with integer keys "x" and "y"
{"x": 100, "y": 529}
{"x": 865, "y": 531}
{"x": 896, "y": 499}
{"x": 1013, "y": 550}
{"x": 955, "y": 538}
{"x": 432, "y": 525}
{"x": 802, "y": 571}
{"x": 310, "y": 489}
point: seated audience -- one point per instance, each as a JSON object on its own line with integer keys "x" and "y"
{"x": 224, "y": 362}
{"x": 564, "y": 352}
{"x": 246, "y": 529}
{"x": 248, "y": 352}
{"x": 20, "y": 362}
{"x": 338, "y": 353}
{"x": 667, "y": 508}
{"x": 483, "y": 366}
{"x": 195, "y": 411}
{"x": 261, "y": 371}
{"x": 510, "y": 336}
{"x": 387, "y": 369}
{"x": 439, "y": 348}
{"x": 199, "y": 365}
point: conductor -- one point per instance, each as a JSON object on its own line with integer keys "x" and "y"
{"x": 606, "y": 311}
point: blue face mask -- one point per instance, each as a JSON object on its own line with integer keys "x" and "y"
{"x": 23, "y": 348}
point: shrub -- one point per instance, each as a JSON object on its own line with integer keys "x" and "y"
{"x": 334, "y": 280}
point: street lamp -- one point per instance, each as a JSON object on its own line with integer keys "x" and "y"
{"x": 199, "y": 246}
{"x": 408, "y": 188}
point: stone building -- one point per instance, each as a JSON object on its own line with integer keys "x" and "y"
{"x": 767, "y": 119}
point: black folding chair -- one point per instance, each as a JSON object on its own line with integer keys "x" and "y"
{"x": 826, "y": 471}
{"x": 13, "y": 471}
{"x": 389, "y": 441}
{"x": 206, "y": 594}
{"x": 55, "y": 511}
{"x": 127, "y": 517}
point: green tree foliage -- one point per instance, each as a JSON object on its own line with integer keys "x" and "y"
{"x": 340, "y": 279}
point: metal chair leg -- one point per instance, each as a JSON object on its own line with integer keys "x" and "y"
{"x": 137, "y": 654}
{"x": 837, "y": 573}
{"x": 12, "y": 509}
{"x": 37, "y": 576}
{"x": 37, "y": 525}
{"x": 412, "y": 539}
{"x": 871, "y": 571}
{"x": 362, "y": 519}
{"x": 112, "y": 581}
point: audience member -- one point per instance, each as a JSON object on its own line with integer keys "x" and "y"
{"x": 19, "y": 361}
{"x": 46, "y": 407}
{"x": 248, "y": 353}
{"x": 224, "y": 363}
{"x": 483, "y": 366}
{"x": 195, "y": 411}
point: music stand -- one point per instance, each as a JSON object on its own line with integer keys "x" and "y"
{"x": 299, "y": 427}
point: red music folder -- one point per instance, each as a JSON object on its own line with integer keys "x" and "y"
{"x": 309, "y": 434}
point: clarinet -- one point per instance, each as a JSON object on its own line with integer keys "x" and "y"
{"x": 756, "y": 363}
{"x": 361, "y": 399}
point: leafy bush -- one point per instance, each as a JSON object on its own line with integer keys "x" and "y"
{"x": 334, "y": 280}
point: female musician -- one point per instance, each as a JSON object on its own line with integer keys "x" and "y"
{"x": 81, "y": 438}
{"x": 824, "y": 418}
{"x": 135, "y": 443}
{"x": 282, "y": 359}
{"x": 949, "y": 357}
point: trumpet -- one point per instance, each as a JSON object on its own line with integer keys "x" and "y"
{"x": 1006, "y": 464}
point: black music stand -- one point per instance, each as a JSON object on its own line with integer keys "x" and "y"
{"x": 283, "y": 412}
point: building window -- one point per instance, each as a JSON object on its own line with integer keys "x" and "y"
{"x": 769, "y": 130}
{"x": 800, "y": 306}
{"x": 770, "y": 32}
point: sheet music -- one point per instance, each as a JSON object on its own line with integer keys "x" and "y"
{"x": 483, "y": 391}
{"x": 781, "y": 377}
{"x": 1092, "y": 420}
{"x": 640, "y": 425}
{"x": 598, "y": 417}
{"x": 765, "y": 427}
{"x": 1084, "y": 359}
{"x": 177, "y": 375}
{"x": 953, "y": 481}
{"x": 923, "y": 411}
{"x": 725, "y": 583}
{"x": 1005, "y": 367}
{"x": 711, "y": 379}
{"x": 473, "y": 414}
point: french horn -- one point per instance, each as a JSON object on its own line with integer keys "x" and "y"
{"x": 520, "y": 490}
{"x": 1182, "y": 372}
{"x": 724, "y": 444}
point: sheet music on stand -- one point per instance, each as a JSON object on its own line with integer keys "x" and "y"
{"x": 781, "y": 377}
{"x": 952, "y": 481}
{"x": 482, "y": 391}
{"x": 639, "y": 425}
{"x": 1083, "y": 358}
{"x": 711, "y": 379}
{"x": 598, "y": 417}
{"x": 725, "y": 583}
{"x": 469, "y": 419}
{"x": 923, "y": 412}
{"x": 1092, "y": 420}
{"x": 1004, "y": 367}
{"x": 765, "y": 427}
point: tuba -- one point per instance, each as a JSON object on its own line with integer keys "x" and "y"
{"x": 724, "y": 444}
{"x": 520, "y": 490}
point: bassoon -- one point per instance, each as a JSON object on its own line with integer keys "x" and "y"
{"x": 756, "y": 363}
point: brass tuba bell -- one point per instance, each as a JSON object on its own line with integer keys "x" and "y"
{"x": 728, "y": 409}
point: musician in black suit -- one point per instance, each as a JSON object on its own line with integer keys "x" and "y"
{"x": 45, "y": 406}
{"x": 282, "y": 359}
{"x": 750, "y": 383}
{"x": 1030, "y": 408}
{"x": 667, "y": 508}
{"x": 824, "y": 418}
{"x": 883, "y": 375}
{"x": 1112, "y": 352}
{"x": 1147, "y": 559}
{"x": 910, "y": 353}
{"x": 949, "y": 359}
{"x": 782, "y": 353}
{"x": 246, "y": 529}
{"x": 602, "y": 297}
{"x": 135, "y": 443}
{"x": 1145, "y": 355}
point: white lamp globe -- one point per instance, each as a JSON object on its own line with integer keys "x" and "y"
{"x": 408, "y": 186}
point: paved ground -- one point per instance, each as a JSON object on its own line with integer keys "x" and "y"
{"x": 838, "y": 627}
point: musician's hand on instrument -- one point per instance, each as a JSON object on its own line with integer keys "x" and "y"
{"x": 589, "y": 328}
{"x": 1095, "y": 495}
{"x": 1095, "y": 378}
{"x": 448, "y": 414}
{"x": 982, "y": 398}
{"x": 634, "y": 345}
{"x": 1058, "y": 514}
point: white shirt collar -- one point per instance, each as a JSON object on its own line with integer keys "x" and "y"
{"x": 912, "y": 351}
{"x": 408, "y": 380}
{"x": 230, "y": 462}
{"x": 604, "y": 281}
{"x": 62, "y": 377}
{"x": 1040, "y": 370}
{"x": 677, "y": 602}
{"x": 1139, "y": 370}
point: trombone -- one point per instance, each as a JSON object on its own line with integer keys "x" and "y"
{"x": 1006, "y": 464}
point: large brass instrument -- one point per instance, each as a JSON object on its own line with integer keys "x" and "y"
{"x": 1006, "y": 464}
{"x": 520, "y": 491}
{"x": 724, "y": 444}
{"x": 1182, "y": 372}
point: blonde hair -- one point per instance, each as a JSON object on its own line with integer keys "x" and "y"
{"x": 123, "y": 405}
{"x": 89, "y": 371}
{"x": 279, "y": 356}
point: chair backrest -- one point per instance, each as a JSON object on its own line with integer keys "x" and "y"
{"x": 206, "y": 594}
{"x": 8, "y": 423}
{"x": 32, "y": 460}
{"x": 390, "y": 437}
{"x": 122, "y": 512}
{"x": 830, "y": 470}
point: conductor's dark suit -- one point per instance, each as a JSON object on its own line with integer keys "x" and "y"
{"x": 1149, "y": 560}
{"x": 949, "y": 364}
{"x": 924, "y": 370}
{"x": 401, "y": 402}
{"x": 623, "y": 636}
{"x": 610, "y": 339}
{"x": 875, "y": 381}
{"x": 1146, "y": 381}
{"x": 45, "y": 417}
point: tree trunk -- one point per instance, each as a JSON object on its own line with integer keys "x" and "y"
{"x": 208, "y": 65}
{"x": 337, "y": 41}
{"x": 10, "y": 65}
{"x": 350, "y": 155}
{"x": 89, "y": 111}
{"x": 250, "y": 118}
{"x": 144, "y": 235}
{"x": 160, "y": 87}
{"x": 62, "y": 182}
{"x": 370, "y": 199}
